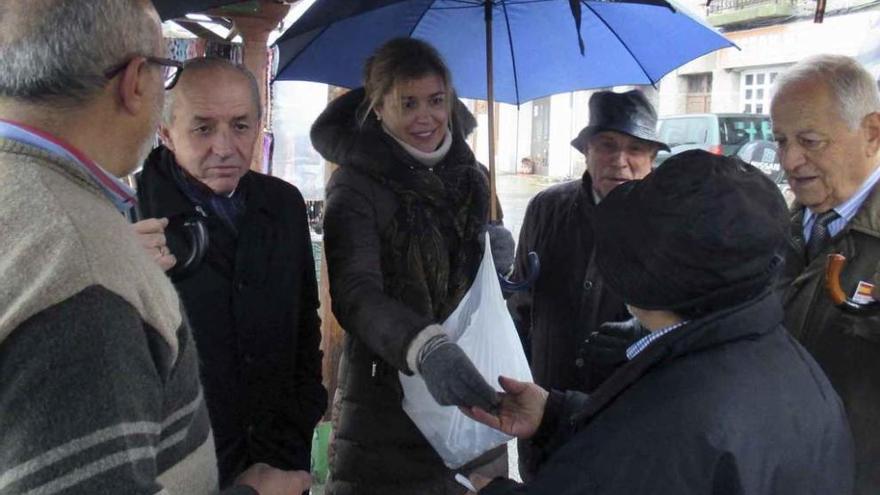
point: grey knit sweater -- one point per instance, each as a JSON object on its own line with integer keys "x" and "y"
{"x": 99, "y": 385}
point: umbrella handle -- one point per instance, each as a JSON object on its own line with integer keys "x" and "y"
{"x": 534, "y": 270}
{"x": 833, "y": 268}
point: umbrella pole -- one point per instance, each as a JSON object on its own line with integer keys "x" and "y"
{"x": 490, "y": 97}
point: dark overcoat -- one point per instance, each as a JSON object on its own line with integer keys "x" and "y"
{"x": 568, "y": 300}
{"x": 253, "y": 307}
{"x": 727, "y": 405}
{"x": 847, "y": 346}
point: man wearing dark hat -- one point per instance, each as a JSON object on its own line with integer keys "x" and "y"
{"x": 563, "y": 313}
{"x": 718, "y": 398}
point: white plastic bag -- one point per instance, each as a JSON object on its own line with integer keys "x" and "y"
{"x": 482, "y": 327}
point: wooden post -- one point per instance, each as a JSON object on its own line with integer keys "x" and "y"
{"x": 490, "y": 97}
{"x": 255, "y": 29}
{"x": 331, "y": 332}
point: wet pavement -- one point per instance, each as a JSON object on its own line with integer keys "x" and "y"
{"x": 515, "y": 192}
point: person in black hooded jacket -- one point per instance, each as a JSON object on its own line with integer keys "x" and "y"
{"x": 404, "y": 217}
{"x": 718, "y": 398}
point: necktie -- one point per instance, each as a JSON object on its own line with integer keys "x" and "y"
{"x": 819, "y": 234}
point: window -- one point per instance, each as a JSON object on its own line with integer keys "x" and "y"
{"x": 755, "y": 89}
{"x": 699, "y": 93}
{"x": 736, "y": 130}
{"x": 685, "y": 130}
{"x": 540, "y": 134}
{"x": 295, "y": 106}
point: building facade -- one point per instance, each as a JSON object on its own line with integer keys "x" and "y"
{"x": 770, "y": 35}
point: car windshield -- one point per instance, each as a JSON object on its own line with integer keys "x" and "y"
{"x": 678, "y": 131}
{"x": 741, "y": 129}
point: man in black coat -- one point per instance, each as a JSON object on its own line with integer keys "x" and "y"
{"x": 252, "y": 301}
{"x": 718, "y": 398}
{"x": 561, "y": 317}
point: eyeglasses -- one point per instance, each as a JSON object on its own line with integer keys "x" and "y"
{"x": 171, "y": 69}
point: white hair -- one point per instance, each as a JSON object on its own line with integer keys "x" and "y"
{"x": 851, "y": 85}
{"x": 57, "y": 51}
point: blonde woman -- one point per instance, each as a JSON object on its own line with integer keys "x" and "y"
{"x": 404, "y": 218}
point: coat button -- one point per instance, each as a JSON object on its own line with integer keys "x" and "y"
{"x": 579, "y": 362}
{"x": 248, "y": 358}
{"x": 588, "y": 285}
{"x": 240, "y": 286}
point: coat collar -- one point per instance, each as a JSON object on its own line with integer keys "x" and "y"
{"x": 156, "y": 184}
{"x": 751, "y": 319}
{"x": 58, "y": 163}
{"x": 866, "y": 221}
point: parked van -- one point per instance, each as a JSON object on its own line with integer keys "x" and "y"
{"x": 719, "y": 133}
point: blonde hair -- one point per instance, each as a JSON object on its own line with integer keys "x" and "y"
{"x": 398, "y": 61}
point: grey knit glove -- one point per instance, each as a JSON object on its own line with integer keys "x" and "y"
{"x": 503, "y": 247}
{"x": 452, "y": 378}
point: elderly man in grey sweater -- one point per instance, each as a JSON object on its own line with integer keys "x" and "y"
{"x": 99, "y": 383}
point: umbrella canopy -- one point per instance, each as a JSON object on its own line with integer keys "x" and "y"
{"x": 172, "y": 9}
{"x": 535, "y": 50}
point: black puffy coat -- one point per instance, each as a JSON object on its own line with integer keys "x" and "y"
{"x": 253, "y": 307}
{"x": 727, "y": 405}
{"x": 377, "y": 448}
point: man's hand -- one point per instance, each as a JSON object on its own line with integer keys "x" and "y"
{"x": 151, "y": 234}
{"x": 452, "y": 378}
{"x": 607, "y": 346}
{"x": 267, "y": 480}
{"x": 520, "y": 412}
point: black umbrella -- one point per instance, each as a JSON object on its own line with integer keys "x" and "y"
{"x": 172, "y": 9}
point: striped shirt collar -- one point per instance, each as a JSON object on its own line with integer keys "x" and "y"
{"x": 847, "y": 210}
{"x": 118, "y": 192}
{"x": 640, "y": 345}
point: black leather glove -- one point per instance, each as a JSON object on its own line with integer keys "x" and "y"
{"x": 503, "y": 247}
{"x": 452, "y": 378}
{"x": 607, "y": 346}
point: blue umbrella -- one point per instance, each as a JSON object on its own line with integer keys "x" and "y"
{"x": 534, "y": 47}
{"x": 539, "y": 47}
